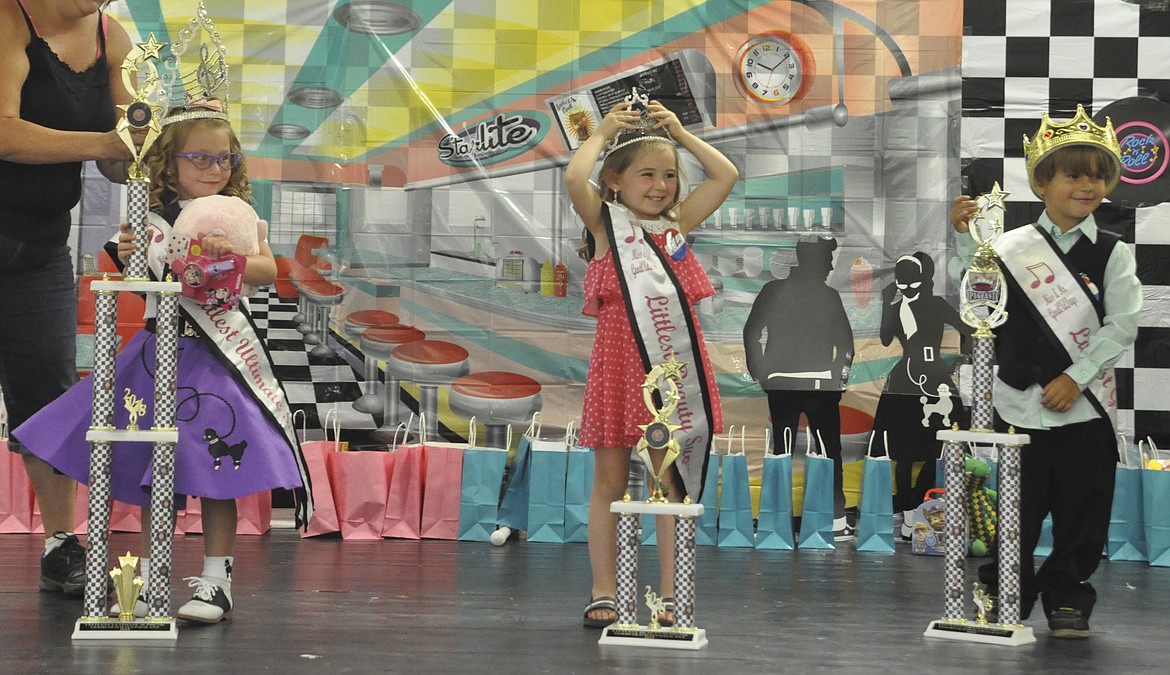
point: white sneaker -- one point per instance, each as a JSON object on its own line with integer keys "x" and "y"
{"x": 211, "y": 603}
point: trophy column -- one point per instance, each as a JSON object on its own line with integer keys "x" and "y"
{"x": 141, "y": 123}
{"x": 684, "y": 572}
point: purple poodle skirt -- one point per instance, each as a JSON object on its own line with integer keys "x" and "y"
{"x": 228, "y": 446}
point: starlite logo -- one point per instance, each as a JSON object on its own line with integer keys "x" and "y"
{"x": 494, "y": 140}
{"x": 1143, "y": 152}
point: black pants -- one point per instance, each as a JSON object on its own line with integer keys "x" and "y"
{"x": 1069, "y": 472}
{"x": 908, "y": 494}
{"x": 824, "y": 415}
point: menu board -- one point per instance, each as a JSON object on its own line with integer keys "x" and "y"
{"x": 579, "y": 113}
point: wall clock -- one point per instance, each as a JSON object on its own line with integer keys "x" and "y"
{"x": 773, "y": 68}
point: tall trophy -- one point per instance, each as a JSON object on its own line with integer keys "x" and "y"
{"x": 983, "y": 298}
{"x": 142, "y": 118}
{"x": 657, "y": 435}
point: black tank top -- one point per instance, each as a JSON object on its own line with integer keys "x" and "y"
{"x": 35, "y": 199}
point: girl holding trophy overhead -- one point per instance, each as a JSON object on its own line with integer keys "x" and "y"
{"x": 641, "y": 283}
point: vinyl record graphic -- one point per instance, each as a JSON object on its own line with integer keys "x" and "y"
{"x": 1142, "y": 126}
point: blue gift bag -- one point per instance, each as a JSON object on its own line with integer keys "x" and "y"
{"x": 1156, "y": 509}
{"x": 736, "y": 529}
{"x": 774, "y": 526}
{"x": 578, "y": 485}
{"x": 513, "y": 511}
{"x": 707, "y": 527}
{"x": 479, "y": 498}
{"x": 816, "y": 518}
{"x": 548, "y": 460}
{"x": 875, "y": 522}
{"x": 1127, "y": 533}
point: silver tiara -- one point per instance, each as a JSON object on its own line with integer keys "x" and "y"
{"x": 643, "y": 129}
{"x": 200, "y": 91}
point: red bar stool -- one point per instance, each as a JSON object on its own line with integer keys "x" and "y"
{"x": 321, "y": 296}
{"x": 428, "y": 363}
{"x": 355, "y": 324}
{"x": 497, "y": 398}
{"x": 377, "y": 344}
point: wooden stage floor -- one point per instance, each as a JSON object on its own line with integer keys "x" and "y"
{"x": 395, "y": 606}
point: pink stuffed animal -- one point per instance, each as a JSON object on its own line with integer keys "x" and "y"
{"x": 215, "y": 282}
{"x": 230, "y": 217}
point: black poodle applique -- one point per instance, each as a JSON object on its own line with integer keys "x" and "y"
{"x": 218, "y": 449}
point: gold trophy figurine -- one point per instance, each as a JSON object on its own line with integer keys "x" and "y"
{"x": 140, "y": 77}
{"x": 659, "y": 433}
{"x": 135, "y": 406}
{"x": 127, "y": 585}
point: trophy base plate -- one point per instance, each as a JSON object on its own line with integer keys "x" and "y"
{"x": 663, "y": 638}
{"x": 136, "y": 631}
{"x": 989, "y": 633}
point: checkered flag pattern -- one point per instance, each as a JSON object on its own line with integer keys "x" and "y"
{"x": 684, "y": 572}
{"x": 982, "y": 357}
{"x": 1009, "y": 534}
{"x": 956, "y": 532}
{"x": 137, "y": 199}
{"x": 1022, "y": 58}
{"x": 101, "y": 453}
{"x": 628, "y": 536}
{"x": 163, "y": 486}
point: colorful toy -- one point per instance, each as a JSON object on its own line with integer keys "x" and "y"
{"x": 214, "y": 281}
{"x": 980, "y": 503}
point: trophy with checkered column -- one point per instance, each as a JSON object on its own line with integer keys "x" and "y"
{"x": 141, "y": 122}
{"x": 658, "y": 435}
{"x": 983, "y": 298}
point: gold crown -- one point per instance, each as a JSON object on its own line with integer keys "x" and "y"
{"x": 200, "y": 92}
{"x": 1080, "y": 130}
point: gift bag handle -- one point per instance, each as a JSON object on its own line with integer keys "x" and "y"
{"x": 533, "y": 430}
{"x": 743, "y": 439}
{"x": 422, "y": 428}
{"x": 471, "y": 432}
{"x": 304, "y": 423}
{"x": 885, "y": 443}
{"x": 405, "y": 427}
{"x": 730, "y": 438}
{"x": 570, "y": 435}
{"x": 789, "y": 441}
{"x": 331, "y": 414}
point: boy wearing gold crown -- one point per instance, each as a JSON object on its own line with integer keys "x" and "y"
{"x": 1073, "y": 305}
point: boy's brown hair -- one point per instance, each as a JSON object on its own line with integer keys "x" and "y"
{"x": 1078, "y": 160}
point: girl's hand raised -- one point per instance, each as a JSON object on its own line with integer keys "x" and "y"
{"x": 665, "y": 118}
{"x": 620, "y": 117}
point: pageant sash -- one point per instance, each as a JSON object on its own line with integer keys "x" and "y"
{"x": 234, "y": 337}
{"x": 1060, "y": 300}
{"x": 663, "y": 324}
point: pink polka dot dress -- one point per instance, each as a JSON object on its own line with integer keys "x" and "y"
{"x": 613, "y": 387}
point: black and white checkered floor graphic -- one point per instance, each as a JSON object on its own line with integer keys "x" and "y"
{"x": 315, "y": 385}
{"x": 1022, "y": 58}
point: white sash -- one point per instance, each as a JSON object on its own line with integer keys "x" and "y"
{"x": 663, "y": 324}
{"x": 233, "y": 335}
{"x": 1060, "y": 300}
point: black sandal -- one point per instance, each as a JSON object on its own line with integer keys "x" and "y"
{"x": 667, "y": 606}
{"x": 605, "y": 602}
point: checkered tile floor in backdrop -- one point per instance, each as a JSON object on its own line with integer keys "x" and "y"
{"x": 314, "y": 385}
